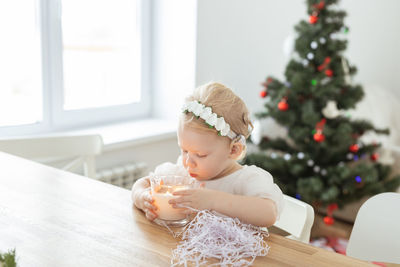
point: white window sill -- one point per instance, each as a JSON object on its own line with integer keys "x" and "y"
{"x": 132, "y": 133}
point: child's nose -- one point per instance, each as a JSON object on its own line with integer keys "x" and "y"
{"x": 190, "y": 162}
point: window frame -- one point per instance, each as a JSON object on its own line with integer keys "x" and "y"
{"x": 54, "y": 117}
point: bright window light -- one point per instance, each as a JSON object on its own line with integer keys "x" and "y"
{"x": 20, "y": 64}
{"x": 71, "y": 64}
{"x": 100, "y": 53}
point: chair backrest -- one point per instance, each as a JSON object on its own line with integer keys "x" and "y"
{"x": 376, "y": 232}
{"x": 81, "y": 149}
{"x": 296, "y": 219}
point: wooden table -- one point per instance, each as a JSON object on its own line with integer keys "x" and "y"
{"x": 55, "y": 218}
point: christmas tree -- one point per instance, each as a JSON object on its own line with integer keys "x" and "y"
{"x": 322, "y": 160}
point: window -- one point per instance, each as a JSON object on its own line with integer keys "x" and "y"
{"x": 72, "y": 63}
{"x": 20, "y": 64}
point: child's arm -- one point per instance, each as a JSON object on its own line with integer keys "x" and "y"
{"x": 142, "y": 198}
{"x": 253, "y": 210}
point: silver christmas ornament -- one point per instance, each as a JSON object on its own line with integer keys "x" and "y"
{"x": 310, "y": 56}
{"x": 314, "y": 45}
{"x": 310, "y": 162}
{"x": 300, "y": 155}
{"x": 333, "y": 36}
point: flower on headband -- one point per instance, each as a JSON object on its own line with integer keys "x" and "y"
{"x": 211, "y": 118}
{"x": 195, "y": 107}
{"x": 225, "y": 130}
{"x": 220, "y": 124}
{"x": 206, "y": 113}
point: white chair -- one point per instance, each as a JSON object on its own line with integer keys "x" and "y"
{"x": 78, "y": 150}
{"x": 296, "y": 219}
{"x": 376, "y": 232}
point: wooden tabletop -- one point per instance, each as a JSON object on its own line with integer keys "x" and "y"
{"x": 56, "y": 218}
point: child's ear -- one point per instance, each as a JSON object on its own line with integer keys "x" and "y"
{"x": 236, "y": 150}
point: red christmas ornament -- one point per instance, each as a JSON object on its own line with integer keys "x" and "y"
{"x": 319, "y": 127}
{"x": 327, "y": 60}
{"x": 332, "y": 207}
{"x": 283, "y": 105}
{"x": 320, "y": 5}
{"x": 374, "y": 156}
{"x": 354, "y": 148}
{"x": 263, "y": 94}
{"x": 329, "y": 73}
{"x": 319, "y": 137}
{"x": 313, "y": 19}
{"x": 328, "y": 220}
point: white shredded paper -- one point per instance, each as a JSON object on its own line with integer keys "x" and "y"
{"x": 225, "y": 239}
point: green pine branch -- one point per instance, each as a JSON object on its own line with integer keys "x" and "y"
{"x": 8, "y": 259}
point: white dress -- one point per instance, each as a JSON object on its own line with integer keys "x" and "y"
{"x": 249, "y": 181}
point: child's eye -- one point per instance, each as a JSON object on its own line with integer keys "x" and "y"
{"x": 201, "y": 156}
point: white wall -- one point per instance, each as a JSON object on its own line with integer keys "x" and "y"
{"x": 174, "y": 54}
{"x": 374, "y": 42}
{"x": 241, "y": 42}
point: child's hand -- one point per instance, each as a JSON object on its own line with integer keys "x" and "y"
{"x": 200, "y": 199}
{"x": 142, "y": 198}
{"x": 146, "y": 203}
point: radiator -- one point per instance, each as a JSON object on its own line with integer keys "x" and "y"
{"x": 124, "y": 175}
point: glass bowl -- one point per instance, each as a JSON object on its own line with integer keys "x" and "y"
{"x": 162, "y": 189}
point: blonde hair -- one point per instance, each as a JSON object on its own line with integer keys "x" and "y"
{"x": 225, "y": 103}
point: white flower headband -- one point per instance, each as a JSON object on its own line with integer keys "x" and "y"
{"x": 212, "y": 119}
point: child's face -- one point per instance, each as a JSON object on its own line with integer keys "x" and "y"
{"x": 204, "y": 154}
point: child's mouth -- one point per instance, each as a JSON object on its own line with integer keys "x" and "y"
{"x": 193, "y": 175}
